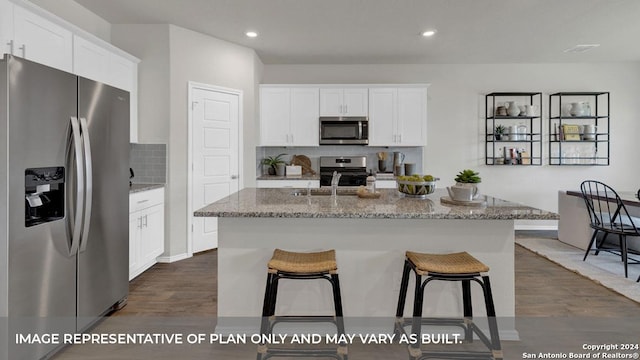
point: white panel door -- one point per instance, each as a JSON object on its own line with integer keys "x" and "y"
{"x": 215, "y": 158}
{"x": 42, "y": 41}
{"x": 382, "y": 116}
{"x": 305, "y": 126}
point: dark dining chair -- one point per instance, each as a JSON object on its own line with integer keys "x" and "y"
{"x": 608, "y": 215}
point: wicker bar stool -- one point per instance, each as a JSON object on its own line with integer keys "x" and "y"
{"x": 301, "y": 266}
{"x": 448, "y": 267}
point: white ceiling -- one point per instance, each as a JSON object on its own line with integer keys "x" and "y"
{"x": 387, "y": 31}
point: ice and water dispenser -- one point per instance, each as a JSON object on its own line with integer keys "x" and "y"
{"x": 44, "y": 195}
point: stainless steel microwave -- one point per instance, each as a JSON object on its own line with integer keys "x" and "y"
{"x": 344, "y": 130}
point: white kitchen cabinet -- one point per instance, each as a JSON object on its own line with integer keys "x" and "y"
{"x": 289, "y": 116}
{"x": 40, "y": 40}
{"x": 146, "y": 230}
{"x": 90, "y": 60}
{"x": 96, "y": 62}
{"x": 6, "y": 26}
{"x": 398, "y": 116}
{"x": 344, "y": 102}
{"x": 298, "y": 184}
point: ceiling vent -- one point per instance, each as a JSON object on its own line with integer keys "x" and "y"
{"x": 581, "y": 48}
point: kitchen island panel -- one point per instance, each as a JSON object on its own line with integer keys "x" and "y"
{"x": 370, "y": 255}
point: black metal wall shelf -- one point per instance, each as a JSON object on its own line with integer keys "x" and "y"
{"x": 589, "y": 143}
{"x": 526, "y": 141}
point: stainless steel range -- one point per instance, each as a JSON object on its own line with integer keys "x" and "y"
{"x": 352, "y": 168}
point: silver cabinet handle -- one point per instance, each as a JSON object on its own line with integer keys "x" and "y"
{"x": 143, "y": 201}
{"x": 10, "y": 43}
{"x": 145, "y": 221}
{"x": 291, "y": 138}
{"x": 24, "y": 50}
{"x": 140, "y": 222}
{"x": 233, "y": 177}
{"x": 346, "y": 109}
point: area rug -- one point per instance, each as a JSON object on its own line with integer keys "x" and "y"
{"x": 605, "y": 269}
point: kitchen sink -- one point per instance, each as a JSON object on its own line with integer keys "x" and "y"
{"x": 324, "y": 192}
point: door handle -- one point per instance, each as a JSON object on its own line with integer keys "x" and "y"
{"x": 89, "y": 183}
{"x": 77, "y": 223}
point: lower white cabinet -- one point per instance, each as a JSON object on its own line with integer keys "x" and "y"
{"x": 146, "y": 230}
{"x": 299, "y": 184}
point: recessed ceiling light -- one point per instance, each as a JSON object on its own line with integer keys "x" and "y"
{"x": 428, "y": 33}
{"x": 251, "y": 34}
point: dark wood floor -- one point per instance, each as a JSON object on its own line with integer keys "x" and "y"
{"x": 556, "y": 310}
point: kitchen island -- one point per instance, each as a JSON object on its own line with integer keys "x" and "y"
{"x": 370, "y": 237}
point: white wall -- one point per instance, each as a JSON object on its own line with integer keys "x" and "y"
{"x": 172, "y": 56}
{"x": 456, "y": 118}
{"x": 201, "y": 58}
{"x": 78, "y": 15}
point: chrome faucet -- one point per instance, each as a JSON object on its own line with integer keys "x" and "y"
{"x": 335, "y": 179}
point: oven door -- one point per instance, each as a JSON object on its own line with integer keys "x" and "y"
{"x": 349, "y": 177}
{"x": 341, "y": 131}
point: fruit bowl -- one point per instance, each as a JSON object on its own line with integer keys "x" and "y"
{"x": 414, "y": 186}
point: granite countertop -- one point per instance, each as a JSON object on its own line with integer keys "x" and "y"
{"x": 302, "y": 177}
{"x": 268, "y": 203}
{"x": 134, "y": 188}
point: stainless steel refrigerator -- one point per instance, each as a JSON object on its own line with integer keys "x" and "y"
{"x": 64, "y": 169}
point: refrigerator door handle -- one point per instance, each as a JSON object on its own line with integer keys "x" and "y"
{"x": 89, "y": 183}
{"x": 77, "y": 224}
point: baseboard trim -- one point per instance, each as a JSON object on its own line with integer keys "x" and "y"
{"x": 536, "y": 227}
{"x": 174, "y": 258}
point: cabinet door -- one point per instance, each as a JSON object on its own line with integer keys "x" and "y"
{"x": 382, "y": 116}
{"x": 42, "y": 41}
{"x": 275, "y": 107}
{"x": 121, "y": 72}
{"x": 331, "y": 102}
{"x": 6, "y": 27}
{"x": 304, "y": 117}
{"x": 412, "y": 116}
{"x": 152, "y": 235}
{"x": 90, "y": 60}
{"x": 134, "y": 244}
{"x": 356, "y": 102}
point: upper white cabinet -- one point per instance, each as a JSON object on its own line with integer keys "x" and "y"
{"x": 34, "y": 34}
{"x": 344, "y": 102}
{"x": 289, "y": 116}
{"x": 40, "y": 40}
{"x": 90, "y": 60}
{"x": 6, "y": 26}
{"x": 398, "y": 116}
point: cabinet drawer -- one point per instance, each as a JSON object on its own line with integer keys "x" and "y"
{"x": 144, "y": 199}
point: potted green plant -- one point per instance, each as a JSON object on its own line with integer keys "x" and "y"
{"x": 273, "y": 163}
{"x": 500, "y": 130}
{"x": 468, "y": 176}
{"x": 466, "y": 188}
